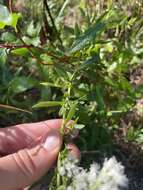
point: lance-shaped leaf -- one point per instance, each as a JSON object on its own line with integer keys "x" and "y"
{"x": 71, "y": 112}
{"x": 51, "y": 84}
{"x": 46, "y": 104}
{"x": 8, "y": 107}
{"x": 89, "y": 35}
{"x": 21, "y": 52}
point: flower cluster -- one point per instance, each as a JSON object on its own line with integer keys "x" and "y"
{"x": 110, "y": 177}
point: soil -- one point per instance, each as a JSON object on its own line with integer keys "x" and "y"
{"x": 131, "y": 157}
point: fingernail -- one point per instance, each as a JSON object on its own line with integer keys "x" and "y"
{"x": 52, "y": 141}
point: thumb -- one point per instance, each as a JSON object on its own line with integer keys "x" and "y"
{"x": 21, "y": 169}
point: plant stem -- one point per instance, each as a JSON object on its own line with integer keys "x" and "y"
{"x": 52, "y": 21}
{"x": 58, "y": 166}
{"x": 12, "y": 46}
{"x": 10, "y": 5}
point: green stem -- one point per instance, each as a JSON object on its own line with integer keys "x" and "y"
{"x": 58, "y": 166}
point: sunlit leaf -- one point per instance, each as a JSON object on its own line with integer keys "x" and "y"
{"x": 51, "y": 84}
{"x": 71, "y": 111}
{"x": 79, "y": 126}
{"x": 33, "y": 30}
{"x": 8, "y": 19}
{"x": 35, "y": 41}
{"x": 89, "y": 35}
{"x": 47, "y": 59}
{"x": 20, "y": 51}
{"x": 46, "y": 104}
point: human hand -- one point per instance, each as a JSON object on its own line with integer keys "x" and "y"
{"x": 23, "y": 162}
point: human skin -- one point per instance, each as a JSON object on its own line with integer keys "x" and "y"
{"x": 28, "y": 151}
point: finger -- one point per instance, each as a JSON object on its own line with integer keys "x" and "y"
{"x": 21, "y": 169}
{"x": 23, "y": 136}
{"x": 73, "y": 151}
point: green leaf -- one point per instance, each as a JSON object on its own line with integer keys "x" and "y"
{"x": 110, "y": 113}
{"x": 14, "y": 19}
{"x": 61, "y": 12}
{"x": 79, "y": 126}
{"x": 32, "y": 30}
{"x": 35, "y": 41}
{"x": 8, "y": 19}
{"x": 8, "y": 37}
{"x": 89, "y": 35}
{"x": 46, "y": 104}
{"x": 47, "y": 59}
{"x": 71, "y": 112}
{"x": 77, "y": 31}
{"x": 51, "y": 84}
{"x": 14, "y": 108}
{"x": 21, "y": 84}
{"x": 3, "y": 56}
{"x": 20, "y": 51}
{"x": 61, "y": 72}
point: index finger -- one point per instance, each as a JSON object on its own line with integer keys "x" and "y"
{"x": 25, "y": 135}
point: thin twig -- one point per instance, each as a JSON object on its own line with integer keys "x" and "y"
{"x": 64, "y": 59}
{"x": 13, "y": 46}
{"x": 49, "y": 13}
{"x": 10, "y": 5}
{"x": 52, "y": 21}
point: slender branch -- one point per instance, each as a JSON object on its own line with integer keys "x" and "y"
{"x": 10, "y": 5}
{"x": 64, "y": 59}
{"x": 13, "y": 46}
{"x": 49, "y": 13}
{"x": 52, "y": 21}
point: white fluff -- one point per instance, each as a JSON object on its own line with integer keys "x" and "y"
{"x": 110, "y": 177}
